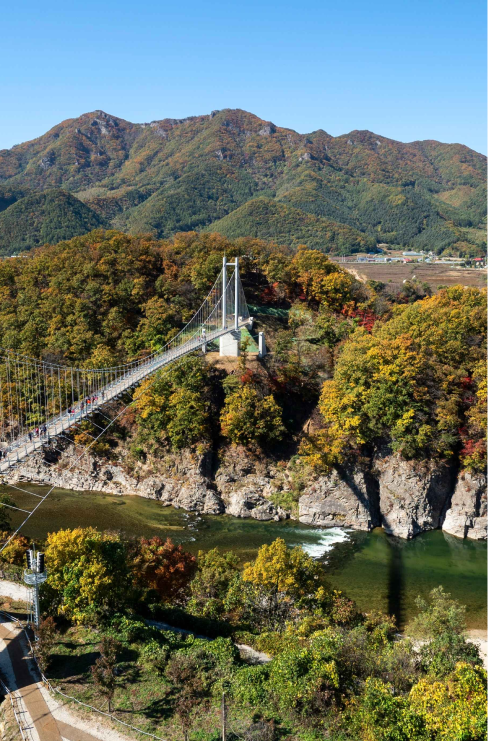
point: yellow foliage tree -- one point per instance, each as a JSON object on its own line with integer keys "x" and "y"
{"x": 247, "y": 419}
{"x": 88, "y": 573}
{"x": 453, "y": 710}
{"x": 279, "y": 569}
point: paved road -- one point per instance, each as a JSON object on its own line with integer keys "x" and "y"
{"x": 46, "y": 727}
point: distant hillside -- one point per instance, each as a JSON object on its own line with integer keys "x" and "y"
{"x": 44, "y": 217}
{"x": 267, "y": 219}
{"x": 198, "y": 173}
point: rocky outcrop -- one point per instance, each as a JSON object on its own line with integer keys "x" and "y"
{"x": 342, "y": 499}
{"x": 240, "y": 487}
{"x": 405, "y": 497}
{"x": 180, "y": 481}
{"x": 466, "y": 516}
{"x": 413, "y": 495}
{"x": 247, "y": 484}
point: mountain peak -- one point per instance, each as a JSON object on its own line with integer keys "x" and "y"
{"x": 181, "y": 174}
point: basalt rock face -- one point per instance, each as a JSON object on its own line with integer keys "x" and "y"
{"x": 345, "y": 498}
{"x": 180, "y": 481}
{"x": 239, "y": 487}
{"x": 413, "y": 495}
{"x": 404, "y": 497}
{"x": 466, "y": 516}
{"x": 247, "y": 485}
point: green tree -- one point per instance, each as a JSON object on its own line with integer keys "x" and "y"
{"x": 281, "y": 577}
{"x": 382, "y": 716}
{"x": 216, "y": 571}
{"x": 246, "y": 418}
{"x": 155, "y": 655}
{"x": 441, "y": 624}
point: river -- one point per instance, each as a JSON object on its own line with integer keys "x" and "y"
{"x": 377, "y": 571}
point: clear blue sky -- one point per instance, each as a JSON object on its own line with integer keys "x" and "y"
{"x": 408, "y": 70}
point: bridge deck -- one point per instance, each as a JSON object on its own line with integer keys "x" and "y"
{"x": 23, "y": 447}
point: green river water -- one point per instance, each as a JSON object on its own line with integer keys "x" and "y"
{"x": 377, "y": 571}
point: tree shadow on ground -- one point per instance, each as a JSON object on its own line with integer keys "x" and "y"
{"x": 64, "y": 666}
{"x": 160, "y": 709}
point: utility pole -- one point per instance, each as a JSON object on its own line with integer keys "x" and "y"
{"x": 224, "y": 718}
{"x": 34, "y": 575}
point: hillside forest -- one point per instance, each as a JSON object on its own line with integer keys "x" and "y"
{"x": 370, "y": 364}
{"x": 353, "y": 366}
{"x": 233, "y": 173}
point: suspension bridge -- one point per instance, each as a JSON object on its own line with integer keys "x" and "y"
{"x": 39, "y": 401}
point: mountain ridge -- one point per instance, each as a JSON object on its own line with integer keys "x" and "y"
{"x": 172, "y": 175}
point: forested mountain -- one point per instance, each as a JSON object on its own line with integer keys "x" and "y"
{"x": 44, "y": 217}
{"x": 232, "y": 172}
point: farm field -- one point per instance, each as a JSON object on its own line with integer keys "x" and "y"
{"x": 434, "y": 275}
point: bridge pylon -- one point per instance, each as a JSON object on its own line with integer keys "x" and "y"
{"x": 230, "y": 343}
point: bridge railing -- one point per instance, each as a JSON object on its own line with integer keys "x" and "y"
{"x": 38, "y": 398}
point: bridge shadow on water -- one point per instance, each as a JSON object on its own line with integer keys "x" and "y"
{"x": 396, "y": 581}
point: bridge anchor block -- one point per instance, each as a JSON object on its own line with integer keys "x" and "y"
{"x": 229, "y": 345}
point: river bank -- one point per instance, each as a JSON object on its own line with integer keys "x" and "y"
{"x": 376, "y": 570}
{"x": 405, "y": 497}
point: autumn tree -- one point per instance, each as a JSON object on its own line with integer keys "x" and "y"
{"x": 454, "y": 708}
{"x": 104, "y": 670}
{"x": 281, "y": 577}
{"x": 45, "y": 639}
{"x": 175, "y": 407}
{"x": 409, "y": 383}
{"x": 162, "y": 566}
{"x": 15, "y": 551}
{"x": 323, "y": 281}
{"x": 191, "y": 687}
{"x": 88, "y": 574}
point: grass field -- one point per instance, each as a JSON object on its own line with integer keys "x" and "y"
{"x": 434, "y": 275}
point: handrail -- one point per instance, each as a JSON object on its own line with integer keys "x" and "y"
{"x": 69, "y": 697}
{"x": 10, "y": 695}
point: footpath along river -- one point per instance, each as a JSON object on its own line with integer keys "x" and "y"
{"x": 377, "y": 571}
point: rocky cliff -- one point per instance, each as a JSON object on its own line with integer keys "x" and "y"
{"x": 403, "y": 497}
{"x": 242, "y": 485}
{"x": 466, "y": 516}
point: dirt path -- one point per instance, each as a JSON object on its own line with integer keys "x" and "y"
{"x": 248, "y": 653}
